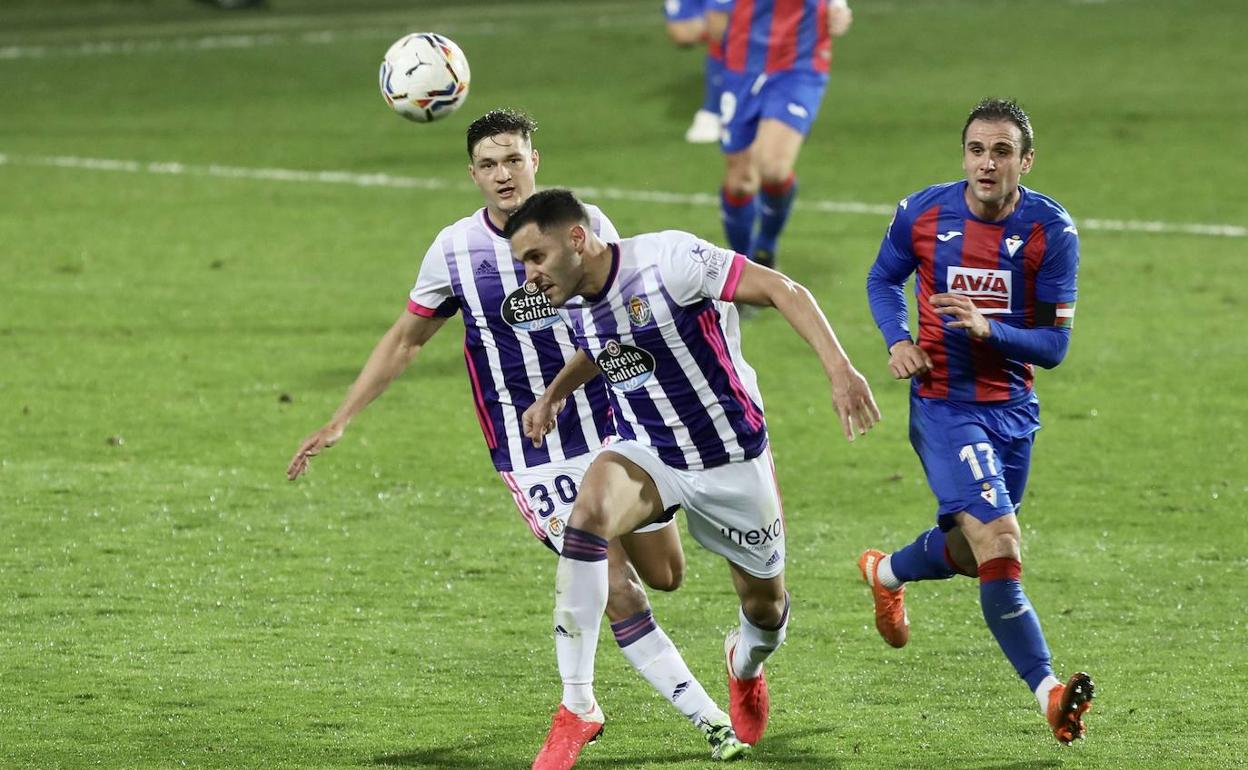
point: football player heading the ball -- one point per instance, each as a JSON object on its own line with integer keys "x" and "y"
{"x": 510, "y": 342}
{"x": 996, "y": 265}
{"x": 654, "y": 314}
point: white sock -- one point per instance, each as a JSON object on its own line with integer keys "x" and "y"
{"x": 757, "y": 644}
{"x": 1043, "y": 690}
{"x": 580, "y": 599}
{"x": 885, "y": 574}
{"x": 657, "y": 659}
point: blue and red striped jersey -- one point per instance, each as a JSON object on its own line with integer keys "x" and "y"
{"x": 776, "y": 35}
{"x": 1006, "y": 267}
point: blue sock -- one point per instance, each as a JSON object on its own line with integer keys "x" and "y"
{"x": 713, "y": 81}
{"x": 775, "y": 202}
{"x": 924, "y": 559}
{"x": 1012, "y": 619}
{"x": 738, "y": 215}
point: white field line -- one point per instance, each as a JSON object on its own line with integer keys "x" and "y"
{"x": 227, "y": 40}
{"x": 596, "y": 193}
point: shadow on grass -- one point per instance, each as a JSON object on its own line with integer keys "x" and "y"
{"x": 777, "y": 751}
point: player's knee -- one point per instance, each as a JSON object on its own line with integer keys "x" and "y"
{"x": 999, "y": 545}
{"x": 589, "y": 515}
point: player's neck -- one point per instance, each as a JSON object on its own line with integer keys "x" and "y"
{"x": 992, "y": 212}
{"x": 497, "y": 217}
{"x": 597, "y": 261}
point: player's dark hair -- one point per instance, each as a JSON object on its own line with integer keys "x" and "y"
{"x": 993, "y": 109}
{"x": 496, "y": 122}
{"x": 547, "y": 209}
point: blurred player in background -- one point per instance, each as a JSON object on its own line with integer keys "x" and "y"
{"x": 686, "y": 26}
{"x": 649, "y": 314}
{"x": 777, "y": 54}
{"x": 996, "y": 266}
{"x": 513, "y": 344}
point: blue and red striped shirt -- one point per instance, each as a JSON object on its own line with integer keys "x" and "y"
{"x": 1005, "y": 267}
{"x": 776, "y": 35}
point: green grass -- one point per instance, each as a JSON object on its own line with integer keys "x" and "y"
{"x": 168, "y": 600}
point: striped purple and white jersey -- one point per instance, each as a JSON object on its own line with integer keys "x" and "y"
{"x": 514, "y": 343}
{"x": 664, "y": 333}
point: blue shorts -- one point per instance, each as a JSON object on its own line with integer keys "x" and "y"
{"x": 791, "y": 96}
{"x": 976, "y": 456}
{"x": 684, "y": 10}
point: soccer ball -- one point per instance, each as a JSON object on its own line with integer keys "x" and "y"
{"x": 424, "y": 77}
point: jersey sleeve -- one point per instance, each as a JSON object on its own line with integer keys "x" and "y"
{"x": 887, "y": 278}
{"x": 433, "y": 295}
{"x": 1057, "y": 277}
{"x": 693, "y": 269}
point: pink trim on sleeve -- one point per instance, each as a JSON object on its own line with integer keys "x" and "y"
{"x": 417, "y": 309}
{"x": 729, "y": 292}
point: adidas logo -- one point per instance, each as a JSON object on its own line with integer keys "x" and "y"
{"x": 486, "y": 268}
{"x": 561, "y": 631}
{"x": 775, "y": 557}
{"x": 680, "y": 690}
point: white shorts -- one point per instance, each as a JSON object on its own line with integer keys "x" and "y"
{"x": 545, "y": 493}
{"x": 733, "y": 510}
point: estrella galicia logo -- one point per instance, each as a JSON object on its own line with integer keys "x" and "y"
{"x": 526, "y": 308}
{"x": 625, "y": 367}
{"x": 639, "y": 311}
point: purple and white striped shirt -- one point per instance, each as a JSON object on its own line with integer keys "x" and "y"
{"x": 664, "y": 333}
{"x": 513, "y": 342}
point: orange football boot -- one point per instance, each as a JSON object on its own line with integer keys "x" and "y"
{"x": 1067, "y": 704}
{"x": 569, "y": 733}
{"x": 891, "y": 619}
{"x": 748, "y": 701}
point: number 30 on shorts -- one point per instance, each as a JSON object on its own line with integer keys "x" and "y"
{"x": 565, "y": 489}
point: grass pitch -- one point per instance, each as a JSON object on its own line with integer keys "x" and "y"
{"x": 207, "y": 218}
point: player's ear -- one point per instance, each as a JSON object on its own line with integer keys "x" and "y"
{"x": 579, "y": 236}
{"x": 536, "y": 160}
{"x": 1028, "y": 159}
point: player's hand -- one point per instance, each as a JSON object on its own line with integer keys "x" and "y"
{"x": 851, "y": 395}
{"x": 839, "y": 18}
{"x": 311, "y": 447}
{"x": 906, "y": 360}
{"x": 539, "y": 419}
{"x": 965, "y": 314}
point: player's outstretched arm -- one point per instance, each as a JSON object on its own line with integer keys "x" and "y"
{"x": 539, "y": 418}
{"x": 392, "y": 354}
{"x": 855, "y": 404}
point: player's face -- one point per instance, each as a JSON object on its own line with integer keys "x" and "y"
{"x": 504, "y": 167}
{"x": 993, "y": 160}
{"x": 552, "y": 260}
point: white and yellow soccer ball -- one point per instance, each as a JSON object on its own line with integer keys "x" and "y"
{"x": 424, "y": 76}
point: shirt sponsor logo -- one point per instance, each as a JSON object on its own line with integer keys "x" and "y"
{"x": 526, "y": 308}
{"x": 990, "y": 289}
{"x": 626, "y": 367}
{"x": 639, "y": 311}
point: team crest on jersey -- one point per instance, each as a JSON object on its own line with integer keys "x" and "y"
{"x": 990, "y": 289}
{"x": 1012, "y": 244}
{"x": 639, "y": 311}
{"x": 626, "y": 367}
{"x": 555, "y": 525}
{"x": 526, "y": 308}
